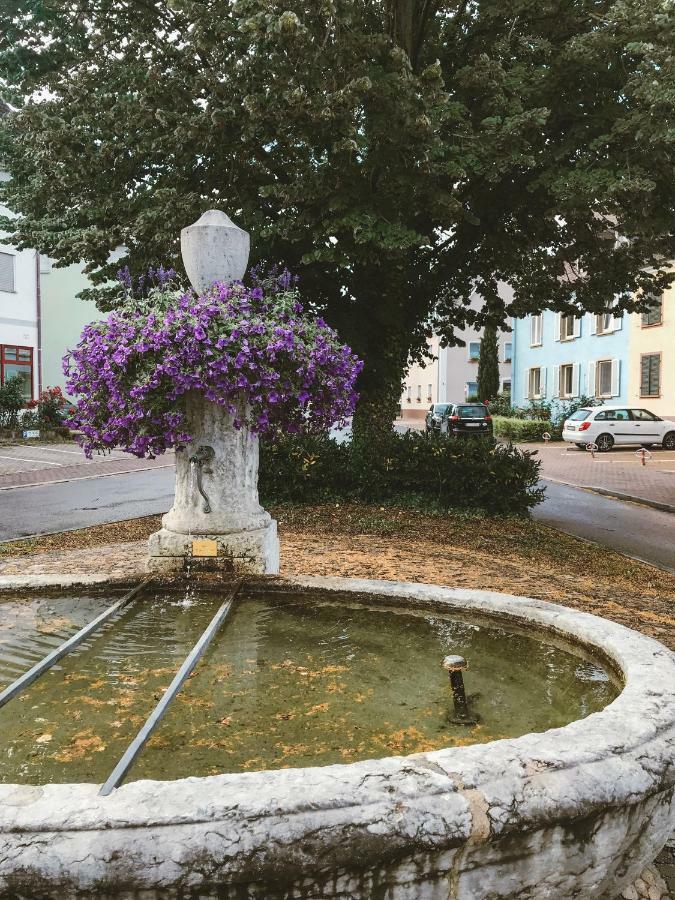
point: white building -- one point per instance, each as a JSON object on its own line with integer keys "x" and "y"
{"x": 19, "y": 312}
{"x": 451, "y": 375}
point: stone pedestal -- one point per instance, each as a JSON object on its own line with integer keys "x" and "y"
{"x": 225, "y": 524}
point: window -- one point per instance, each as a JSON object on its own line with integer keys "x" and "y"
{"x": 654, "y": 314}
{"x": 612, "y": 415}
{"x": 508, "y": 351}
{"x": 419, "y": 393}
{"x": 567, "y": 381}
{"x": 650, "y": 375}
{"x": 474, "y": 349}
{"x": 471, "y": 390}
{"x": 429, "y": 390}
{"x": 7, "y": 272}
{"x": 534, "y": 384}
{"x": 580, "y": 415}
{"x": 643, "y": 415}
{"x": 506, "y": 386}
{"x": 536, "y": 330}
{"x": 603, "y": 378}
{"x": 408, "y": 391}
{"x": 568, "y": 327}
{"x": 472, "y": 412}
{"x": 608, "y": 322}
{"x": 17, "y": 361}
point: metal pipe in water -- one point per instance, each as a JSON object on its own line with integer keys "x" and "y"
{"x": 454, "y": 666}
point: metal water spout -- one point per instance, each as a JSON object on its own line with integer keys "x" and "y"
{"x": 455, "y": 666}
{"x": 203, "y": 455}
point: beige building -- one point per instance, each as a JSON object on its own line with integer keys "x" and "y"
{"x": 451, "y": 376}
{"x": 651, "y": 357}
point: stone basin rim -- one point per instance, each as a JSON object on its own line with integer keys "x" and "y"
{"x": 619, "y": 756}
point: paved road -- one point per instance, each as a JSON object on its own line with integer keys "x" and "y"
{"x": 648, "y": 534}
{"x": 90, "y": 501}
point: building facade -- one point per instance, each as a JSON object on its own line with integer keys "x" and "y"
{"x": 651, "y": 357}
{"x": 451, "y": 374}
{"x": 560, "y": 357}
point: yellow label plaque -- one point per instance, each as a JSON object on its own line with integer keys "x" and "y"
{"x": 205, "y": 548}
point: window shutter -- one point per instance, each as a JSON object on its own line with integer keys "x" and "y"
{"x": 577, "y": 326}
{"x": 644, "y": 376}
{"x": 557, "y": 328}
{"x": 526, "y": 382}
{"x": 576, "y": 379}
{"x": 7, "y": 272}
{"x": 616, "y": 366}
{"x": 618, "y": 322}
{"x": 555, "y": 392}
{"x": 590, "y": 387}
{"x": 543, "y": 381}
{"x": 594, "y": 323}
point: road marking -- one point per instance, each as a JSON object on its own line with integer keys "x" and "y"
{"x": 27, "y": 459}
{"x": 14, "y": 487}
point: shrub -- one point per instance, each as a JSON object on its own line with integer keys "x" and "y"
{"x": 47, "y": 408}
{"x": 501, "y": 406}
{"x": 512, "y": 429}
{"x": 440, "y": 472}
{"x": 11, "y": 401}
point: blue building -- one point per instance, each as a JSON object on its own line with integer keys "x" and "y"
{"x": 562, "y": 357}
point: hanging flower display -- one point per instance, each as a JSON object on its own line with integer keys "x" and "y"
{"x": 252, "y": 349}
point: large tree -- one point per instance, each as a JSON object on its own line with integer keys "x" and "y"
{"x": 398, "y": 154}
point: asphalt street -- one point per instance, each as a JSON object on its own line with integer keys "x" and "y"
{"x": 637, "y": 530}
{"x": 47, "y": 508}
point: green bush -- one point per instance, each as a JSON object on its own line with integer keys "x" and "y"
{"x": 11, "y": 401}
{"x": 510, "y": 429}
{"x": 431, "y": 471}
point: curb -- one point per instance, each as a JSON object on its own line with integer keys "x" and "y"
{"x": 617, "y": 495}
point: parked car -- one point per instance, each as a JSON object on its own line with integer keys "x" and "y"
{"x": 606, "y": 426}
{"x": 437, "y": 413}
{"x": 464, "y": 420}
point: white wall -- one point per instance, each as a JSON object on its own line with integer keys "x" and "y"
{"x": 18, "y": 309}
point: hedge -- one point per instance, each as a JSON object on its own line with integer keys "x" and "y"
{"x": 523, "y": 429}
{"x": 433, "y": 471}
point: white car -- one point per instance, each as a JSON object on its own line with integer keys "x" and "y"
{"x": 606, "y": 426}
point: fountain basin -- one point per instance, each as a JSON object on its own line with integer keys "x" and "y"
{"x": 576, "y": 811}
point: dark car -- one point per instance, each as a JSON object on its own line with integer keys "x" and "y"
{"x": 469, "y": 420}
{"x": 437, "y": 413}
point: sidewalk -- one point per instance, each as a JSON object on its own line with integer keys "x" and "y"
{"x": 618, "y": 473}
{"x": 24, "y": 465}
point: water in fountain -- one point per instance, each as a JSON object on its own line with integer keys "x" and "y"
{"x": 289, "y": 681}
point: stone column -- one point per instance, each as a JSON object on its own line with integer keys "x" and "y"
{"x": 216, "y": 514}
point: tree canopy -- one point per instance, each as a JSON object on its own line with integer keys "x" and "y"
{"x": 396, "y": 154}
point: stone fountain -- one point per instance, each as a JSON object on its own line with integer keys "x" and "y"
{"x": 216, "y": 515}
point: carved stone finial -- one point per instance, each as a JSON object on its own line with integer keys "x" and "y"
{"x": 214, "y": 249}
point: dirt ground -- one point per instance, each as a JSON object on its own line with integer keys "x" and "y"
{"x": 511, "y": 555}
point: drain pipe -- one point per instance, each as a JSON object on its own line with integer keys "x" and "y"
{"x": 38, "y": 312}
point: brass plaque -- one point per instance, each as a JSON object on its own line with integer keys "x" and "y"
{"x": 205, "y": 548}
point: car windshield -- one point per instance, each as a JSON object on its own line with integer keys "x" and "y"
{"x": 580, "y": 415}
{"x": 472, "y": 412}
{"x": 441, "y": 408}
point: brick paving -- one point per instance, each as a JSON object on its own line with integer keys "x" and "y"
{"x": 618, "y": 471}
{"x": 22, "y": 465}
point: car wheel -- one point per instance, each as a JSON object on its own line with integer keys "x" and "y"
{"x": 604, "y": 443}
{"x": 669, "y": 441}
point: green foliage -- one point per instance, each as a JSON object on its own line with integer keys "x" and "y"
{"x": 501, "y": 405}
{"x": 12, "y": 400}
{"x": 398, "y": 159}
{"x": 511, "y": 429}
{"x": 431, "y": 471}
{"x": 488, "y": 365}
